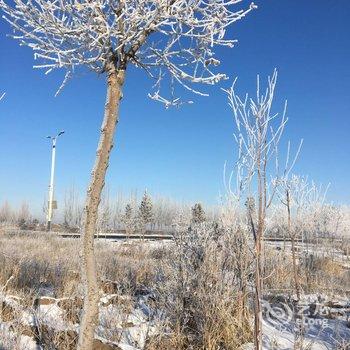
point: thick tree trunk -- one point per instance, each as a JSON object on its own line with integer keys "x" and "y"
{"x": 115, "y": 80}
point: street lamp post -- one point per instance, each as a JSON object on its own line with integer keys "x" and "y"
{"x": 52, "y": 177}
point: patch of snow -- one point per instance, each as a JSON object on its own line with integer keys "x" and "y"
{"x": 52, "y": 315}
{"x": 28, "y": 343}
{"x": 127, "y": 347}
{"x": 10, "y": 340}
{"x": 322, "y": 329}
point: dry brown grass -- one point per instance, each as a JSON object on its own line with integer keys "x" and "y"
{"x": 45, "y": 264}
{"x": 202, "y": 282}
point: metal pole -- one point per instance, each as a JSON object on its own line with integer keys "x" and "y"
{"x": 51, "y": 186}
{"x": 52, "y": 178}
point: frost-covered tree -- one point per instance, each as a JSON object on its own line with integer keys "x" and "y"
{"x": 128, "y": 213}
{"x": 6, "y": 213}
{"x": 198, "y": 214}
{"x": 105, "y": 212}
{"x": 117, "y": 211}
{"x": 293, "y": 193}
{"x": 145, "y": 214}
{"x": 23, "y": 215}
{"x": 72, "y": 211}
{"x": 259, "y": 131}
{"x": 128, "y": 219}
{"x": 181, "y": 221}
{"x": 146, "y": 208}
{"x": 173, "y": 41}
{"x": 165, "y": 211}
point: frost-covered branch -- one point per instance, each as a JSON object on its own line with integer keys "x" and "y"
{"x": 258, "y": 133}
{"x": 164, "y": 37}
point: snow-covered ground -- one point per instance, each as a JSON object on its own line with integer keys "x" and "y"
{"x": 320, "y": 322}
{"x": 129, "y": 326}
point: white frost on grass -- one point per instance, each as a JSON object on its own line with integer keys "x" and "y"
{"x": 9, "y": 340}
{"x": 52, "y": 315}
{"x": 28, "y": 343}
{"x": 127, "y": 347}
{"x": 131, "y": 327}
{"x": 128, "y": 323}
{"x": 26, "y": 317}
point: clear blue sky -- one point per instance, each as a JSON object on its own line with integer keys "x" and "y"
{"x": 180, "y": 152}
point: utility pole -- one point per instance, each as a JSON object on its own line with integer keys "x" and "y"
{"x": 52, "y": 177}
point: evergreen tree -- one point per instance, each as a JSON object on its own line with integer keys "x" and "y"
{"x": 198, "y": 214}
{"x": 127, "y": 219}
{"x": 145, "y": 214}
{"x": 127, "y": 214}
{"x": 146, "y": 209}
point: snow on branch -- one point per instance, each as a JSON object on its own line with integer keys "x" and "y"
{"x": 258, "y": 131}
{"x": 172, "y": 36}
